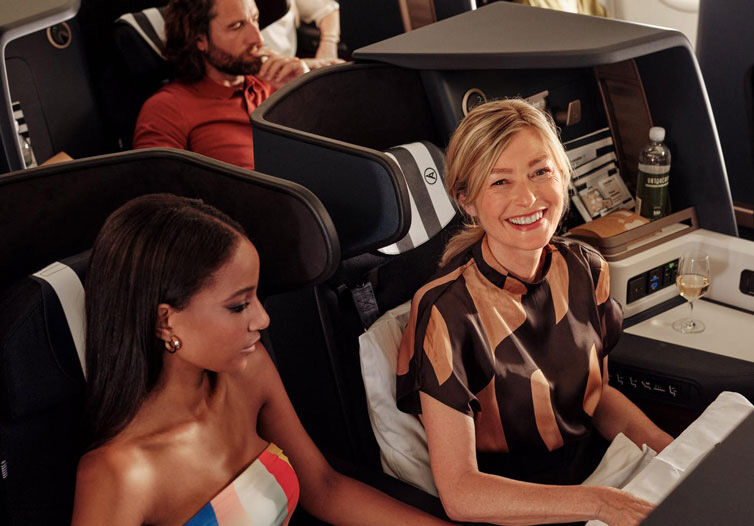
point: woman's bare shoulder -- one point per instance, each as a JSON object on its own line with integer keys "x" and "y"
{"x": 114, "y": 480}
{"x": 260, "y": 376}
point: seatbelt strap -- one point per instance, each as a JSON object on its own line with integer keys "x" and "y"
{"x": 366, "y": 303}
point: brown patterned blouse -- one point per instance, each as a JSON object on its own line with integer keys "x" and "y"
{"x": 523, "y": 359}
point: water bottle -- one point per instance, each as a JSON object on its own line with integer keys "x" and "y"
{"x": 652, "y": 199}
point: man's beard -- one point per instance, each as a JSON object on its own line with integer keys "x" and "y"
{"x": 231, "y": 64}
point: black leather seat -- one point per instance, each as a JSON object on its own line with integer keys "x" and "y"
{"x": 41, "y": 329}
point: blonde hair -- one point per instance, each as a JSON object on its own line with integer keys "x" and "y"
{"x": 475, "y": 147}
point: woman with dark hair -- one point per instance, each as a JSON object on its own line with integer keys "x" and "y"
{"x": 505, "y": 353}
{"x": 184, "y": 404}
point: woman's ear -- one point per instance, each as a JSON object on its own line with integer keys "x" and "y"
{"x": 163, "y": 330}
{"x": 469, "y": 208}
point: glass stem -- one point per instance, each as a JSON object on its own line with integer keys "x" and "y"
{"x": 691, "y": 306}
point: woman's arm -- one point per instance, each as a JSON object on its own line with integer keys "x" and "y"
{"x": 325, "y": 493}
{"x": 469, "y": 495}
{"x": 617, "y": 414}
{"x": 329, "y": 35}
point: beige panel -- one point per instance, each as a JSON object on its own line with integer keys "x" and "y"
{"x": 543, "y": 412}
{"x": 490, "y": 435}
{"x": 602, "y": 292}
{"x": 500, "y": 313}
{"x": 557, "y": 278}
{"x": 406, "y": 351}
{"x": 593, "y": 390}
{"x": 437, "y": 346}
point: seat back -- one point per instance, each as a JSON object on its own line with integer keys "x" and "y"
{"x": 41, "y": 344}
{"x": 41, "y": 376}
{"x": 725, "y": 47}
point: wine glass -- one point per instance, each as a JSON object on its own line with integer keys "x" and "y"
{"x": 692, "y": 281}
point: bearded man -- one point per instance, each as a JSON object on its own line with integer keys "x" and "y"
{"x": 222, "y": 74}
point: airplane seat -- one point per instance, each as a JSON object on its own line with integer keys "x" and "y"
{"x": 374, "y": 159}
{"x": 725, "y": 48}
{"x": 41, "y": 342}
{"x": 41, "y": 380}
{"x": 49, "y": 78}
{"x": 126, "y": 43}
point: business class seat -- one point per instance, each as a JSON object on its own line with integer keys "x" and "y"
{"x": 80, "y": 84}
{"x": 376, "y": 162}
{"x": 41, "y": 378}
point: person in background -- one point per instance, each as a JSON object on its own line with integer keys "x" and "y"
{"x": 505, "y": 352}
{"x": 189, "y": 422}
{"x": 280, "y": 36}
{"x": 223, "y": 73}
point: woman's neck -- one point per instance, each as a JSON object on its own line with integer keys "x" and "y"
{"x": 185, "y": 389}
{"x": 522, "y": 264}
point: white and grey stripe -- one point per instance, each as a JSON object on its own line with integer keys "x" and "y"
{"x": 70, "y": 291}
{"x": 423, "y": 168}
{"x": 150, "y": 25}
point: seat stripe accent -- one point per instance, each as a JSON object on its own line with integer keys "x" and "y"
{"x": 422, "y": 167}
{"x": 144, "y": 27}
{"x": 67, "y": 285}
{"x": 416, "y": 232}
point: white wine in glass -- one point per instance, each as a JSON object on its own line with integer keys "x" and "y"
{"x": 692, "y": 282}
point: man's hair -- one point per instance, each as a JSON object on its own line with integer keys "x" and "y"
{"x": 185, "y": 22}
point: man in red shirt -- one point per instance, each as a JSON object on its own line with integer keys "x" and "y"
{"x": 222, "y": 74}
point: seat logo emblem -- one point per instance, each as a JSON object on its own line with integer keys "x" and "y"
{"x": 430, "y": 175}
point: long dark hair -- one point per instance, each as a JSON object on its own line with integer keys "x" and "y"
{"x": 158, "y": 248}
{"x": 185, "y": 22}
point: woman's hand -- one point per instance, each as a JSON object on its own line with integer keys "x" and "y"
{"x": 620, "y": 508}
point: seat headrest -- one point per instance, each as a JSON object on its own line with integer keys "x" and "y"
{"x": 149, "y": 24}
{"x": 423, "y": 167}
{"x": 140, "y": 35}
{"x": 140, "y": 38}
{"x": 42, "y": 338}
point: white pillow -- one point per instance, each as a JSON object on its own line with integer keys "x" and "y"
{"x": 401, "y": 437}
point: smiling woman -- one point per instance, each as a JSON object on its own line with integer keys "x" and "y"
{"x": 505, "y": 352}
{"x": 188, "y": 417}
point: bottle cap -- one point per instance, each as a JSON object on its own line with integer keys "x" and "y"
{"x": 657, "y": 134}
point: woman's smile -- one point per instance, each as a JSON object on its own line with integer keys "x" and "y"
{"x": 527, "y": 222}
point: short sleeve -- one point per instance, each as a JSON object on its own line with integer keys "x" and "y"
{"x": 315, "y": 10}
{"x": 438, "y": 361}
{"x": 610, "y": 311}
{"x": 161, "y": 123}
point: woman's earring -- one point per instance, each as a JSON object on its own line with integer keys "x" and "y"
{"x": 173, "y": 344}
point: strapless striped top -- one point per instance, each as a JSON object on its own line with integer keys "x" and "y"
{"x": 264, "y": 494}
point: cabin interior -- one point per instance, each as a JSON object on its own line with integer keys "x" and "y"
{"x": 327, "y": 197}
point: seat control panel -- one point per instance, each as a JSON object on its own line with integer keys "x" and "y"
{"x": 651, "y": 281}
{"x": 667, "y": 389}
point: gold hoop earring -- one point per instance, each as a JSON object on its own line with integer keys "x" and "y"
{"x": 173, "y": 344}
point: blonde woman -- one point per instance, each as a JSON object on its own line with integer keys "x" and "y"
{"x": 505, "y": 354}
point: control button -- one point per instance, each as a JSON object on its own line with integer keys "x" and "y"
{"x": 655, "y": 280}
{"x": 637, "y": 288}
{"x": 669, "y": 273}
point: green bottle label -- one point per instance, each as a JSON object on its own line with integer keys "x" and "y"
{"x": 652, "y": 190}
